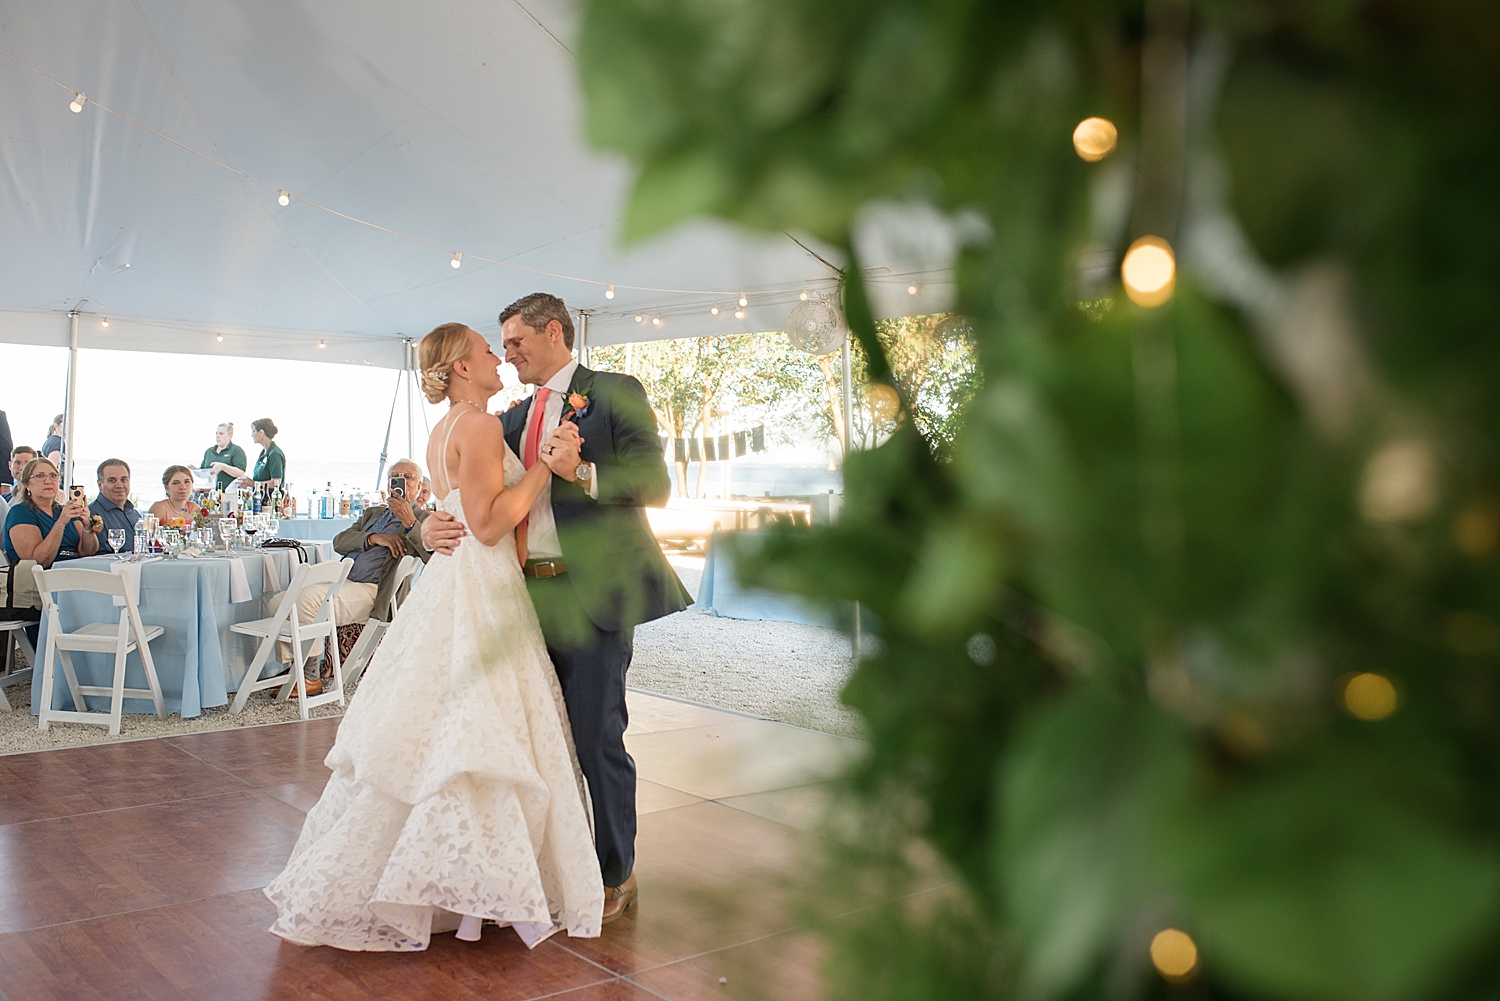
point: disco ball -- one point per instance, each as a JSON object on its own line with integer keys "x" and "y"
{"x": 815, "y": 326}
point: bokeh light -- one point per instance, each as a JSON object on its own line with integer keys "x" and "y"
{"x": 1476, "y": 530}
{"x": 1369, "y": 696}
{"x": 1149, "y": 271}
{"x": 1174, "y": 954}
{"x": 884, "y": 403}
{"x": 1095, "y": 138}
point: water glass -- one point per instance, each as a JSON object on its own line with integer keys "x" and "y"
{"x": 273, "y": 525}
{"x": 227, "y": 528}
{"x": 117, "y": 540}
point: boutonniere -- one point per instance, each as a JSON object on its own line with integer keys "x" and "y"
{"x": 578, "y": 406}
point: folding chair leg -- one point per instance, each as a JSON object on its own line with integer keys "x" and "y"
{"x": 117, "y": 694}
{"x": 338, "y": 667}
{"x": 252, "y": 675}
{"x": 5, "y": 705}
{"x": 152, "y": 681}
{"x": 49, "y": 679}
{"x": 71, "y": 677}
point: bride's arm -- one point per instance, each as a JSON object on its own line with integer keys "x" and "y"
{"x": 490, "y": 509}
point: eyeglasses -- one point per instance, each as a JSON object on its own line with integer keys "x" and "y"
{"x": 48, "y": 477}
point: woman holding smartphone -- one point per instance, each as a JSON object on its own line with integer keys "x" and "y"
{"x": 39, "y": 528}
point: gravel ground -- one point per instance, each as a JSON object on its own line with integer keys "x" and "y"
{"x": 779, "y": 670}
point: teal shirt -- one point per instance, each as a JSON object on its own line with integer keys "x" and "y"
{"x": 271, "y": 465}
{"x": 232, "y": 456}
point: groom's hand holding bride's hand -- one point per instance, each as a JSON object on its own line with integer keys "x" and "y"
{"x": 561, "y": 453}
{"x": 441, "y": 533}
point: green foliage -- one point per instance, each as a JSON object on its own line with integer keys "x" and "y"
{"x": 1118, "y": 591}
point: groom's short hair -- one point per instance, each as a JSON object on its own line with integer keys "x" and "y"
{"x": 539, "y": 309}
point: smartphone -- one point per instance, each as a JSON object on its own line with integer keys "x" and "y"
{"x": 76, "y": 491}
{"x": 398, "y": 487}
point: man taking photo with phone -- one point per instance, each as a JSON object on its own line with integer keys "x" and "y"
{"x": 375, "y": 543}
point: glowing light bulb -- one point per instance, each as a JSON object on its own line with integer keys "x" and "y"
{"x": 714, "y": 309}
{"x": 283, "y": 198}
{"x": 1369, "y": 696}
{"x": 1149, "y": 271}
{"x": 739, "y": 314}
{"x": 803, "y": 297}
{"x": 656, "y": 321}
{"x": 1095, "y": 138}
{"x": 911, "y": 290}
{"x": 743, "y": 300}
{"x": 219, "y": 338}
{"x": 76, "y": 105}
{"x": 322, "y": 344}
{"x": 458, "y": 259}
{"x": 639, "y": 318}
{"x": 1174, "y": 954}
{"x": 106, "y": 322}
{"x": 609, "y": 291}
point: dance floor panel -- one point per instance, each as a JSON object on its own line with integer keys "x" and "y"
{"x": 134, "y": 871}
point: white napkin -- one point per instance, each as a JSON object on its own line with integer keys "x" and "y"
{"x": 270, "y": 574}
{"x": 239, "y": 583}
{"x": 131, "y": 572}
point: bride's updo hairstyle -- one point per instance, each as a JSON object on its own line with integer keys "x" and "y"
{"x": 437, "y": 353}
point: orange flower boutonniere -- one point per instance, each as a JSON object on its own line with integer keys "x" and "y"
{"x": 578, "y": 406}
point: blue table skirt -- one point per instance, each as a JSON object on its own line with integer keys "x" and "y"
{"x": 198, "y": 661}
{"x": 312, "y": 528}
{"x": 721, "y": 592}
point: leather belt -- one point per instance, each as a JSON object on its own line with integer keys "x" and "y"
{"x": 544, "y": 568}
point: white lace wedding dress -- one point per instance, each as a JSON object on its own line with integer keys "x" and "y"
{"x": 455, "y": 787}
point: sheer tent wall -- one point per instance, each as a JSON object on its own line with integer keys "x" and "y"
{"x": 403, "y": 137}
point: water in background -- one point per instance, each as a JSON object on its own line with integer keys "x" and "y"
{"x": 747, "y": 480}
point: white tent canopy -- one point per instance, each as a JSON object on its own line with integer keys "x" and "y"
{"x": 458, "y": 123}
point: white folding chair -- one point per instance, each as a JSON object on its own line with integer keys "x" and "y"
{"x": 375, "y": 627}
{"x": 13, "y": 635}
{"x": 285, "y": 627}
{"x": 97, "y": 637}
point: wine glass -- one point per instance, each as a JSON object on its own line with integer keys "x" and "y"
{"x": 227, "y": 528}
{"x": 251, "y": 526}
{"x": 273, "y": 525}
{"x": 117, "y": 541}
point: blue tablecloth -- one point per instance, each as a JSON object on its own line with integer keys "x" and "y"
{"x": 198, "y": 661}
{"x": 312, "y": 528}
{"x": 721, "y": 592}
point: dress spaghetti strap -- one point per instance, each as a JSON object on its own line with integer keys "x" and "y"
{"x": 447, "y": 477}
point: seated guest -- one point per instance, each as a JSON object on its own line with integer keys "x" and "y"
{"x": 113, "y": 506}
{"x": 376, "y": 543}
{"x": 179, "y": 506}
{"x": 39, "y": 528}
{"x": 426, "y": 494}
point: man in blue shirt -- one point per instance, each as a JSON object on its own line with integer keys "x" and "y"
{"x": 113, "y": 504}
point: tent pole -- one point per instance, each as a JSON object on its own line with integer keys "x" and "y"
{"x": 411, "y": 413}
{"x": 385, "y": 446}
{"x": 67, "y": 456}
{"x": 583, "y": 338}
{"x": 848, "y": 387}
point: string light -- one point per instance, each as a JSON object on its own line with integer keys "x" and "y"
{"x": 283, "y": 198}
{"x": 656, "y": 321}
{"x": 609, "y": 291}
{"x": 739, "y": 314}
{"x": 219, "y": 338}
{"x": 1149, "y": 271}
{"x": 1174, "y": 954}
{"x": 458, "y": 259}
{"x": 803, "y": 297}
{"x": 639, "y": 318}
{"x": 714, "y": 309}
{"x": 322, "y": 344}
{"x": 1095, "y": 138}
{"x": 744, "y": 301}
{"x": 911, "y": 290}
{"x": 1369, "y": 696}
{"x": 76, "y": 105}
{"x": 106, "y": 322}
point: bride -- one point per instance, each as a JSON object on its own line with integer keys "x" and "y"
{"x": 456, "y": 794}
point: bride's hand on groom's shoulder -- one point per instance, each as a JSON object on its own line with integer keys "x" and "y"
{"x": 441, "y": 533}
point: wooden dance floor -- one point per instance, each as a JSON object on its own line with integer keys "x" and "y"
{"x": 132, "y": 870}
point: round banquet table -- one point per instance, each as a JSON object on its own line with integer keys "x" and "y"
{"x": 198, "y": 661}
{"x": 313, "y": 528}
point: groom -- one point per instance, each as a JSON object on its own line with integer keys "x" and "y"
{"x": 593, "y": 568}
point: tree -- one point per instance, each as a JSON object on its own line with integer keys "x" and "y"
{"x": 1194, "y": 621}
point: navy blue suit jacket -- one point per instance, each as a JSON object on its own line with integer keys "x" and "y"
{"x": 615, "y": 566}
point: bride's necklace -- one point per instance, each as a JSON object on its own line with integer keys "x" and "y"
{"x": 454, "y": 401}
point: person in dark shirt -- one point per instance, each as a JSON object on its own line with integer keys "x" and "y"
{"x": 113, "y": 506}
{"x": 7, "y": 479}
{"x": 225, "y": 458}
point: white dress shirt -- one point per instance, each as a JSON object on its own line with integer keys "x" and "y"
{"x": 541, "y": 528}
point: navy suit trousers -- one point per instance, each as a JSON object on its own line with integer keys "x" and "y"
{"x": 591, "y": 665}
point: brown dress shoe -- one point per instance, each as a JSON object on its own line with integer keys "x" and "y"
{"x": 617, "y": 898}
{"x": 314, "y": 687}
